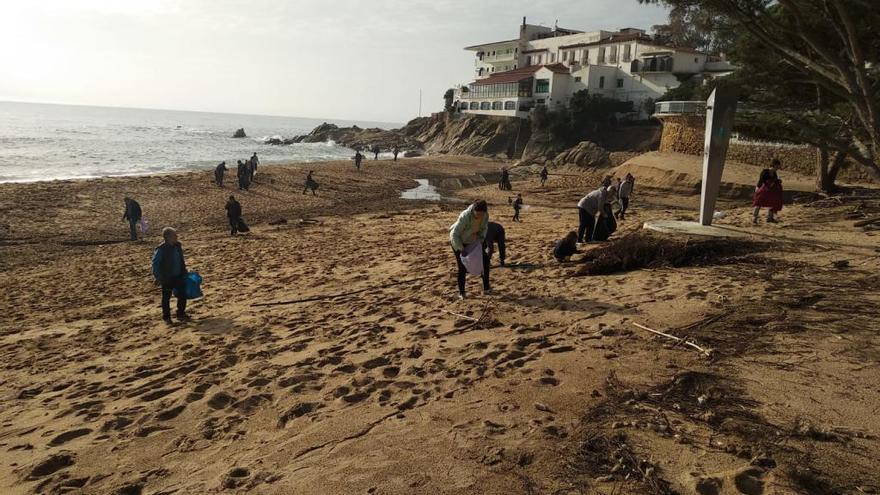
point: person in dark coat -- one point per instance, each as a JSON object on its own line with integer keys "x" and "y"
{"x": 396, "y": 152}
{"x": 133, "y": 214}
{"x": 243, "y": 176}
{"x": 544, "y": 175}
{"x": 233, "y": 213}
{"x": 504, "y": 184}
{"x": 169, "y": 270}
{"x": 254, "y": 163}
{"x": 376, "y": 150}
{"x": 495, "y": 235}
{"x": 311, "y": 184}
{"x": 517, "y": 206}
{"x": 606, "y": 224}
{"x": 566, "y": 247}
{"x": 220, "y": 173}
{"x": 358, "y": 159}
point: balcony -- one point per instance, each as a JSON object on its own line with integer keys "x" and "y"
{"x": 500, "y": 57}
{"x": 696, "y": 108}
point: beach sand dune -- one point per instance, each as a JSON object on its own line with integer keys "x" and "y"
{"x": 543, "y": 387}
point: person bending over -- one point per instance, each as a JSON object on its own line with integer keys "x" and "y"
{"x": 589, "y": 207}
{"x": 133, "y": 214}
{"x": 233, "y": 213}
{"x": 472, "y": 226}
{"x": 169, "y": 270}
{"x": 495, "y": 235}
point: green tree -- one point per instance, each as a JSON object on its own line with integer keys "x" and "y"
{"x": 808, "y": 70}
{"x": 448, "y": 97}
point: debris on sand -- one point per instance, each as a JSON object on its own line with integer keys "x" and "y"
{"x": 650, "y": 250}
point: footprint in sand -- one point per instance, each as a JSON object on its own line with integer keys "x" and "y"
{"x": 68, "y": 436}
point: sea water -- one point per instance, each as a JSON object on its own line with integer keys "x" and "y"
{"x": 46, "y": 142}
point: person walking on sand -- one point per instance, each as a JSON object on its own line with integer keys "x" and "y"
{"x": 544, "y": 175}
{"x": 495, "y": 235}
{"x": 243, "y": 176}
{"x": 358, "y": 159}
{"x": 169, "y": 270}
{"x": 233, "y": 213}
{"x": 517, "y": 206}
{"x": 220, "y": 173}
{"x": 254, "y": 163}
{"x": 768, "y": 194}
{"x": 133, "y": 214}
{"x": 566, "y": 247}
{"x": 589, "y": 208}
{"x": 311, "y": 184}
{"x": 624, "y": 192}
{"x": 466, "y": 234}
{"x": 396, "y": 152}
{"x": 376, "y": 150}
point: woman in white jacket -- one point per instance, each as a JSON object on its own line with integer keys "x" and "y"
{"x": 470, "y": 230}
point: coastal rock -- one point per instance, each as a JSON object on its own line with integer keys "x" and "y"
{"x": 585, "y": 154}
{"x": 438, "y": 134}
{"x": 239, "y": 133}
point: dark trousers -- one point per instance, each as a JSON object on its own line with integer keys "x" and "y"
{"x": 490, "y": 250}
{"x": 587, "y": 222}
{"x": 132, "y": 227}
{"x": 462, "y": 271}
{"x": 167, "y": 290}
{"x": 219, "y": 179}
{"x": 233, "y": 222}
{"x": 516, "y": 214}
{"x": 624, "y": 204}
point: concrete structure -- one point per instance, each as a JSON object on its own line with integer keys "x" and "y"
{"x": 546, "y": 66}
{"x": 720, "y": 112}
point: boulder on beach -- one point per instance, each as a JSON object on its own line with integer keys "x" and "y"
{"x": 239, "y": 133}
{"x": 584, "y": 154}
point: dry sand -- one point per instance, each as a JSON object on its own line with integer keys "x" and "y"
{"x": 397, "y": 390}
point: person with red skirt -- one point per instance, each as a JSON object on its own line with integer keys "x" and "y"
{"x": 768, "y": 194}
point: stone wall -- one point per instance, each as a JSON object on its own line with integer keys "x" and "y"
{"x": 686, "y": 134}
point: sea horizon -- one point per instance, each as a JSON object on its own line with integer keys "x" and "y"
{"x": 53, "y": 141}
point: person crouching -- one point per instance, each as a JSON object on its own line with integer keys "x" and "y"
{"x": 566, "y": 247}
{"x": 169, "y": 270}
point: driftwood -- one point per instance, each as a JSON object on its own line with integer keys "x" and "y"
{"x": 867, "y": 221}
{"x": 342, "y": 294}
{"x": 706, "y": 352}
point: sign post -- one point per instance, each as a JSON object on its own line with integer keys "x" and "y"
{"x": 720, "y": 111}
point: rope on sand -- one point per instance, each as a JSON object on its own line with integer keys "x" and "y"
{"x": 343, "y": 294}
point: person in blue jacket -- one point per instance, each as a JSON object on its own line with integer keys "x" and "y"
{"x": 169, "y": 270}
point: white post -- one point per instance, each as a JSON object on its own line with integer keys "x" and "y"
{"x": 720, "y": 111}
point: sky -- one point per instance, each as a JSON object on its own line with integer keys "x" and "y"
{"x": 344, "y": 59}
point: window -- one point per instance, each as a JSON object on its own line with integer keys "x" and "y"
{"x": 497, "y": 105}
{"x": 475, "y": 105}
{"x": 612, "y": 57}
{"x": 480, "y": 71}
{"x": 601, "y": 82}
{"x": 565, "y": 56}
{"x": 600, "y": 59}
{"x": 540, "y": 101}
{"x": 510, "y": 105}
{"x": 528, "y": 60}
{"x": 620, "y": 83}
{"x": 627, "y": 53}
{"x": 577, "y": 79}
{"x": 586, "y": 57}
{"x": 552, "y": 58}
{"x": 485, "y": 105}
{"x": 542, "y": 85}
{"x": 696, "y": 60}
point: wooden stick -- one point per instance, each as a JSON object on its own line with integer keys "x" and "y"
{"x": 707, "y": 352}
{"x": 342, "y": 294}
{"x": 460, "y": 316}
{"x": 867, "y": 221}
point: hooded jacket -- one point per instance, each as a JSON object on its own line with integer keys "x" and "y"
{"x": 461, "y": 232}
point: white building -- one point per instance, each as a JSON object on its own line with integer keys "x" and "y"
{"x": 546, "y": 66}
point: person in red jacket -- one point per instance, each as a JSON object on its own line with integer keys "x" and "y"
{"x": 768, "y": 194}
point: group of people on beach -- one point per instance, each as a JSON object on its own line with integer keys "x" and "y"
{"x": 247, "y": 170}
{"x": 473, "y": 237}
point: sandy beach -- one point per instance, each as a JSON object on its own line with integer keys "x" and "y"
{"x": 382, "y": 382}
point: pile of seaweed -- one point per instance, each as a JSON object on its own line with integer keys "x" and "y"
{"x": 645, "y": 249}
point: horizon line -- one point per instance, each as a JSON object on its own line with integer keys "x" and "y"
{"x": 325, "y": 119}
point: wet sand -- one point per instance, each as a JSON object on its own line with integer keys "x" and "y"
{"x": 395, "y": 389}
